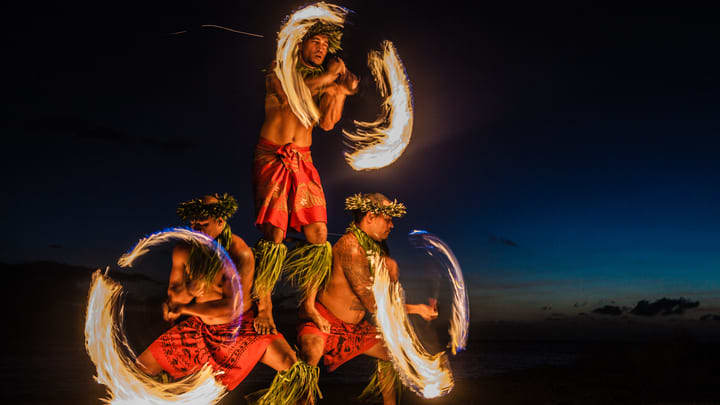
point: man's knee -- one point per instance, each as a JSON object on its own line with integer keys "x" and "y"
{"x": 279, "y": 355}
{"x": 378, "y": 351}
{"x": 287, "y": 359}
{"x": 316, "y": 233}
{"x": 147, "y": 364}
{"x": 311, "y": 348}
{"x": 272, "y": 233}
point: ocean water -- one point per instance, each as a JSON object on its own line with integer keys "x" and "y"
{"x": 481, "y": 359}
{"x": 45, "y": 359}
{"x": 487, "y": 358}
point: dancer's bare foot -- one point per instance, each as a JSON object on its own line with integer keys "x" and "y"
{"x": 318, "y": 320}
{"x": 264, "y": 324}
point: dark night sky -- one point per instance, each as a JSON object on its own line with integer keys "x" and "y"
{"x": 567, "y": 152}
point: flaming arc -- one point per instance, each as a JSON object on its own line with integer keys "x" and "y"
{"x": 436, "y": 248}
{"x": 426, "y": 374}
{"x": 287, "y": 54}
{"x": 379, "y": 143}
{"x": 113, "y": 357}
{"x": 373, "y": 145}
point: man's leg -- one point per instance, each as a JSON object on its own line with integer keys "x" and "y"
{"x": 271, "y": 186}
{"x": 315, "y": 233}
{"x": 272, "y": 233}
{"x": 270, "y": 254}
{"x": 308, "y": 310}
{"x": 308, "y": 267}
{"x": 279, "y": 355}
{"x": 385, "y": 374}
{"x": 379, "y": 352}
{"x": 311, "y": 348}
{"x": 174, "y": 352}
{"x": 147, "y": 364}
{"x": 295, "y": 382}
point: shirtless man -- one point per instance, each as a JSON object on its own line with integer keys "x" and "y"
{"x": 221, "y": 328}
{"x": 287, "y": 186}
{"x": 347, "y": 296}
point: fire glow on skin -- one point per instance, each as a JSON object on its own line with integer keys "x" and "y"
{"x": 109, "y": 350}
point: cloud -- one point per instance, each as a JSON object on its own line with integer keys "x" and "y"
{"x": 84, "y": 130}
{"x": 664, "y": 306}
{"x": 608, "y": 310}
{"x": 507, "y": 242}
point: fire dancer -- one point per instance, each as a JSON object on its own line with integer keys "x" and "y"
{"x": 347, "y": 296}
{"x": 287, "y": 186}
{"x": 222, "y": 328}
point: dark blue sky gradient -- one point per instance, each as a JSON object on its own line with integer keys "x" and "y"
{"x": 567, "y": 153}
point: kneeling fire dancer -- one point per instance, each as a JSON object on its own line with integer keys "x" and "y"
{"x": 221, "y": 330}
{"x": 346, "y": 297}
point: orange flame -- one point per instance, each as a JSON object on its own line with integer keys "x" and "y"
{"x": 459, "y": 323}
{"x": 286, "y": 57}
{"x": 378, "y": 144}
{"x": 115, "y": 361}
{"x": 109, "y": 350}
{"x": 426, "y": 374}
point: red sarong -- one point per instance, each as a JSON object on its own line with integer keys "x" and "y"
{"x": 345, "y": 340}
{"x": 286, "y": 183}
{"x": 232, "y": 348}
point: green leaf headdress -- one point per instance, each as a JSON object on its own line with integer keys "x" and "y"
{"x": 363, "y": 203}
{"x": 196, "y": 209}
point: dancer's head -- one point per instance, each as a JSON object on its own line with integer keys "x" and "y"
{"x": 321, "y": 39}
{"x": 373, "y": 213}
{"x": 314, "y": 50}
{"x": 208, "y": 214}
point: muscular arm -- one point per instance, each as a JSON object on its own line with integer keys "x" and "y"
{"x": 320, "y": 82}
{"x": 275, "y": 96}
{"x": 333, "y": 100}
{"x": 177, "y": 286}
{"x": 316, "y": 84}
{"x": 335, "y": 68}
{"x": 222, "y": 310}
{"x": 355, "y": 267}
{"x": 332, "y": 86}
{"x": 331, "y": 107}
{"x": 427, "y": 312}
{"x": 245, "y": 263}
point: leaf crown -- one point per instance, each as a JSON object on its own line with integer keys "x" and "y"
{"x": 363, "y": 203}
{"x": 196, "y": 209}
